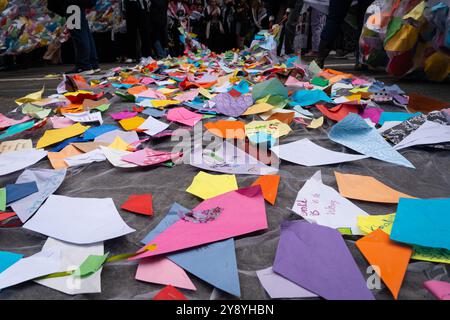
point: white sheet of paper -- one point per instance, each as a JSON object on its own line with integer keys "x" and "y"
{"x": 85, "y": 158}
{"x": 281, "y": 288}
{"x": 37, "y": 265}
{"x": 307, "y": 153}
{"x": 321, "y": 204}
{"x": 15, "y": 145}
{"x": 18, "y": 160}
{"x": 85, "y": 117}
{"x": 428, "y": 133}
{"x": 47, "y": 180}
{"x": 82, "y": 220}
{"x": 229, "y": 159}
{"x": 114, "y": 156}
{"x": 152, "y": 126}
{"x": 72, "y": 256}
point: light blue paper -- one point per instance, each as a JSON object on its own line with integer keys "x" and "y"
{"x": 354, "y": 133}
{"x": 423, "y": 222}
{"x": 262, "y": 137}
{"x": 7, "y": 259}
{"x": 214, "y": 263}
{"x": 156, "y": 113}
{"x": 396, "y": 116}
{"x": 271, "y": 87}
{"x": 305, "y": 98}
{"x": 47, "y": 180}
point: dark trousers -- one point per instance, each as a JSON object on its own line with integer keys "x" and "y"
{"x": 291, "y": 27}
{"x": 137, "y": 20}
{"x": 336, "y": 16}
{"x": 84, "y": 45}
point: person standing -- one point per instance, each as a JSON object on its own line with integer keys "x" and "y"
{"x": 318, "y": 20}
{"x": 137, "y": 17}
{"x": 336, "y": 15}
{"x": 86, "y": 59}
{"x": 214, "y": 27}
{"x": 159, "y": 28}
{"x": 294, "y": 8}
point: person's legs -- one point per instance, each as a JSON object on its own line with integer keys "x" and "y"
{"x": 318, "y": 20}
{"x": 337, "y": 11}
{"x": 131, "y": 11}
{"x": 81, "y": 44}
{"x": 143, "y": 22}
{"x": 291, "y": 26}
{"x": 93, "y": 58}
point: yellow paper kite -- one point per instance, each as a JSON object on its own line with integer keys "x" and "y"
{"x": 57, "y": 135}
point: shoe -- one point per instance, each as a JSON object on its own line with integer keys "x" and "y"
{"x": 79, "y": 71}
{"x": 97, "y": 70}
{"x": 130, "y": 61}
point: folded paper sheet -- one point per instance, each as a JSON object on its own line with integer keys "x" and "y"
{"x": 85, "y": 158}
{"x": 428, "y": 133}
{"x": 321, "y": 204}
{"x": 269, "y": 185}
{"x": 440, "y": 289}
{"x": 307, "y": 153}
{"x": 354, "y": 133}
{"x": 149, "y": 157}
{"x": 243, "y": 212}
{"x": 57, "y": 135}
{"x": 115, "y": 157}
{"x": 151, "y": 126}
{"x": 367, "y": 188}
{"x": 48, "y": 181}
{"x": 227, "y": 129}
{"x": 40, "y": 264}
{"x": 390, "y": 257}
{"x": 423, "y": 222}
{"x": 109, "y": 137}
{"x": 139, "y": 203}
{"x": 57, "y": 158}
{"x": 15, "y": 192}
{"x": 184, "y": 116}
{"x": 311, "y": 256}
{"x": 91, "y": 220}
{"x": 206, "y": 186}
{"x": 18, "y": 160}
{"x": 228, "y": 159}
{"x": 71, "y": 256}
{"x": 281, "y": 288}
{"x": 169, "y": 293}
{"x": 161, "y": 270}
{"x": 15, "y": 145}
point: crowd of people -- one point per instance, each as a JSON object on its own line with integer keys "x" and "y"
{"x": 153, "y": 27}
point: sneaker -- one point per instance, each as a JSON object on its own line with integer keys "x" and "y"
{"x": 88, "y": 72}
{"x": 77, "y": 70}
{"x": 130, "y": 61}
{"x": 97, "y": 70}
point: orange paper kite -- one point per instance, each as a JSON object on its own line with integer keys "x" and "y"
{"x": 390, "y": 257}
{"x": 367, "y": 188}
